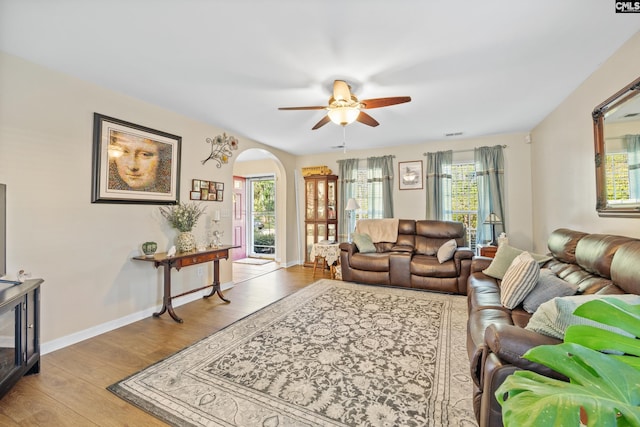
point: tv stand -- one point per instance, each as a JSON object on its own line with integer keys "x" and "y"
{"x": 19, "y": 332}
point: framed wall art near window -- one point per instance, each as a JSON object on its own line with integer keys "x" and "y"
{"x": 134, "y": 164}
{"x": 410, "y": 175}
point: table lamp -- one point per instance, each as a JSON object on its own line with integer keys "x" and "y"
{"x": 492, "y": 220}
{"x": 352, "y": 205}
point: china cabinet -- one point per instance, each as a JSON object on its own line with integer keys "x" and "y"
{"x": 321, "y": 211}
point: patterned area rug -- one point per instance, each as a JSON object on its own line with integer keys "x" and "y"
{"x": 332, "y": 354}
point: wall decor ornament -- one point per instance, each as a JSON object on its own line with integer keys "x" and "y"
{"x": 134, "y": 164}
{"x": 221, "y": 147}
{"x": 206, "y": 190}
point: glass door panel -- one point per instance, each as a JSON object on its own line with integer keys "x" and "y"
{"x": 322, "y": 200}
{"x": 311, "y": 201}
{"x": 332, "y": 233}
{"x": 310, "y": 239}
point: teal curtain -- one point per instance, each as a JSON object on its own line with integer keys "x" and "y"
{"x": 380, "y": 186}
{"x": 632, "y": 142}
{"x": 438, "y": 185}
{"x": 489, "y": 163}
{"x": 348, "y": 174}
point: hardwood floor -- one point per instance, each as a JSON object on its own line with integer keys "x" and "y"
{"x": 71, "y": 388}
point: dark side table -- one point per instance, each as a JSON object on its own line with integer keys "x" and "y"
{"x": 185, "y": 259}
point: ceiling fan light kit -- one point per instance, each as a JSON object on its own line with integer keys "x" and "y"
{"x": 344, "y": 108}
{"x": 343, "y": 115}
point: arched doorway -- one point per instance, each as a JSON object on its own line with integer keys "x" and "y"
{"x": 258, "y": 214}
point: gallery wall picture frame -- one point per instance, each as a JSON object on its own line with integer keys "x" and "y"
{"x": 134, "y": 164}
{"x": 211, "y": 191}
{"x": 410, "y": 175}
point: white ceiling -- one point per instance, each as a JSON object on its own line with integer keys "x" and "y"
{"x": 477, "y": 67}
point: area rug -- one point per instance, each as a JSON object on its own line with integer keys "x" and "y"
{"x": 332, "y": 354}
{"x": 253, "y": 261}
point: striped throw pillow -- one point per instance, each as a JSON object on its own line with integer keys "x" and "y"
{"x": 519, "y": 279}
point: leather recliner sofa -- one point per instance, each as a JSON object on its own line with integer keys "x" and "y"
{"x": 411, "y": 261}
{"x": 496, "y": 339}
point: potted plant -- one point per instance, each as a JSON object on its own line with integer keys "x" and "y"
{"x": 604, "y": 388}
{"x": 184, "y": 217}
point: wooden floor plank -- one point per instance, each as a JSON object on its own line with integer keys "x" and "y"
{"x": 71, "y": 388}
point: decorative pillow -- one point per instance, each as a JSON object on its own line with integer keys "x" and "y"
{"x": 446, "y": 251}
{"x": 503, "y": 259}
{"x": 553, "y": 317}
{"x": 363, "y": 243}
{"x": 548, "y": 287}
{"x": 519, "y": 279}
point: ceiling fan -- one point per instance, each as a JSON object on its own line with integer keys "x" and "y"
{"x": 344, "y": 108}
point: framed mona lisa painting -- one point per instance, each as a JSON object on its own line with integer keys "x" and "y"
{"x": 134, "y": 164}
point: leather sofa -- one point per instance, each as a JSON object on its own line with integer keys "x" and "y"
{"x": 496, "y": 338}
{"x": 411, "y": 261}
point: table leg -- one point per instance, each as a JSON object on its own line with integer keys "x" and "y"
{"x": 166, "y": 298}
{"x": 216, "y": 282}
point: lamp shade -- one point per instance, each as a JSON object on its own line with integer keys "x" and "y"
{"x": 352, "y": 205}
{"x": 493, "y": 219}
{"x": 343, "y": 115}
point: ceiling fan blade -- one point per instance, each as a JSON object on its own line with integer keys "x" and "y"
{"x": 341, "y": 91}
{"x": 367, "y": 119}
{"x": 384, "y": 102}
{"x": 321, "y": 123}
{"x": 303, "y": 108}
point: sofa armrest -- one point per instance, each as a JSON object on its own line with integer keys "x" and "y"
{"x": 480, "y": 263}
{"x": 348, "y": 247}
{"x": 510, "y": 343}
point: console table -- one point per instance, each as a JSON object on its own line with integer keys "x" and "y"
{"x": 185, "y": 259}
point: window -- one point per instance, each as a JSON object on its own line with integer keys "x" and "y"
{"x": 617, "y": 179}
{"x": 369, "y": 198}
{"x": 464, "y": 198}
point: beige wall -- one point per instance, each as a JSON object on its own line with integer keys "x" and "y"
{"x": 411, "y": 204}
{"x": 84, "y": 250}
{"x": 563, "y": 155}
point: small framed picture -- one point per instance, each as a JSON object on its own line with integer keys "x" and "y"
{"x": 220, "y": 194}
{"x": 195, "y": 185}
{"x": 194, "y": 195}
{"x": 212, "y": 196}
{"x": 219, "y": 186}
{"x": 410, "y": 174}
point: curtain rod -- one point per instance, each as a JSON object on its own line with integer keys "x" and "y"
{"x": 465, "y": 151}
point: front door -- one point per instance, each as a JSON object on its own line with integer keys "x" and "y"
{"x": 239, "y": 218}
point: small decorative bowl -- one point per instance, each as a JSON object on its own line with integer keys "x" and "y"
{"x": 149, "y": 248}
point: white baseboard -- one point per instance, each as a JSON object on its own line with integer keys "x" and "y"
{"x": 68, "y": 340}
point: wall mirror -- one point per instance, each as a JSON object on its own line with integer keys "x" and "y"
{"x": 616, "y": 126}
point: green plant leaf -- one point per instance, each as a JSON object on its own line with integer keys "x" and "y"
{"x": 602, "y": 340}
{"x": 607, "y": 389}
{"x": 612, "y": 312}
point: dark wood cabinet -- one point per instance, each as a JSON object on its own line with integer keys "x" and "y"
{"x": 320, "y": 211}
{"x": 19, "y": 332}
